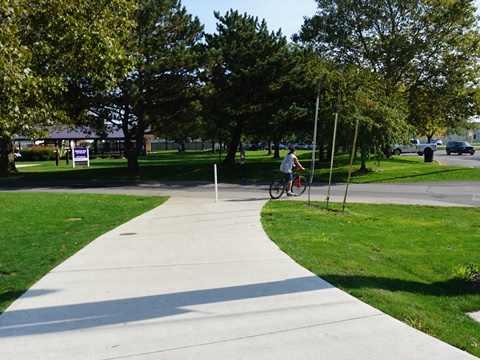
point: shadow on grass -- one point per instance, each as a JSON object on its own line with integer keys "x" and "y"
{"x": 414, "y": 177}
{"x": 446, "y": 288}
{"x": 162, "y": 167}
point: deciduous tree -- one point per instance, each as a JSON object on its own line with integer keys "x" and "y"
{"x": 45, "y": 48}
{"x": 426, "y": 49}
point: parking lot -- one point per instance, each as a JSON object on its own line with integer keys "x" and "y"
{"x": 454, "y": 159}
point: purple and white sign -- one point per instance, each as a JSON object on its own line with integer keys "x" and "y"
{"x": 81, "y": 155}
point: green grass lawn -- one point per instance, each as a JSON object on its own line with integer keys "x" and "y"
{"x": 41, "y": 230}
{"x": 404, "y": 260}
{"x": 260, "y": 167}
{"x": 409, "y": 261}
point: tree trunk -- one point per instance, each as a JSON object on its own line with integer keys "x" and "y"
{"x": 276, "y": 153}
{"x": 321, "y": 152}
{"x": 214, "y": 151}
{"x": 363, "y": 160}
{"x": 131, "y": 153}
{"x": 133, "y": 148}
{"x": 133, "y": 141}
{"x": 232, "y": 150}
{"x": 387, "y": 151}
{"x": 329, "y": 152}
{"x": 7, "y": 157}
{"x": 133, "y": 167}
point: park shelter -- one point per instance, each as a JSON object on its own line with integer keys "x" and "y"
{"x": 110, "y": 141}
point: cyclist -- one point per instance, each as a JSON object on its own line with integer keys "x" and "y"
{"x": 289, "y": 161}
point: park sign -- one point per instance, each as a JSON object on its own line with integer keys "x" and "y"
{"x": 81, "y": 155}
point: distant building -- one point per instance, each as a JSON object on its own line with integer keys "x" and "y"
{"x": 111, "y": 141}
{"x": 468, "y": 135}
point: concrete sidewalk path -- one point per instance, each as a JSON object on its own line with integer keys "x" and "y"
{"x": 196, "y": 279}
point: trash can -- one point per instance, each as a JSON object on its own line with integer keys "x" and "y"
{"x": 428, "y": 155}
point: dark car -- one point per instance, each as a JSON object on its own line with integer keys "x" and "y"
{"x": 301, "y": 146}
{"x": 459, "y": 147}
{"x": 280, "y": 146}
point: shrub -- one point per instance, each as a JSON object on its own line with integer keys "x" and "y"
{"x": 37, "y": 153}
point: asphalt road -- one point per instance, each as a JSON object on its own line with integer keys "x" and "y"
{"x": 435, "y": 193}
{"x": 453, "y": 159}
{"x": 458, "y": 160}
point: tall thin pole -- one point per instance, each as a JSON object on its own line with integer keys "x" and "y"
{"x": 314, "y": 143}
{"x": 332, "y": 157}
{"x": 351, "y": 166}
{"x": 216, "y": 181}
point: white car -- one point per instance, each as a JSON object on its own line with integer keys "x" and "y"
{"x": 411, "y": 147}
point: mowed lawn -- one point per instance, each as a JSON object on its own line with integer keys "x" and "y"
{"x": 260, "y": 166}
{"x": 417, "y": 263}
{"x": 41, "y": 230}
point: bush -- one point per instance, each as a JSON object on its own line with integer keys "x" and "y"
{"x": 37, "y": 153}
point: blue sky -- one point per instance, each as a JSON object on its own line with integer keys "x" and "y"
{"x": 285, "y": 14}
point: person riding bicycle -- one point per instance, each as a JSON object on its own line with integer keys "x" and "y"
{"x": 289, "y": 161}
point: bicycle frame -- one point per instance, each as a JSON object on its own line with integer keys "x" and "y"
{"x": 279, "y": 186}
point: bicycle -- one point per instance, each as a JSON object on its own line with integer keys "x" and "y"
{"x": 279, "y": 186}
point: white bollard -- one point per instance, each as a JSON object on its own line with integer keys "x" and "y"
{"x": 216, "y": 184}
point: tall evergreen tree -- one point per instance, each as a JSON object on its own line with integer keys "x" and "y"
{"x": 241, "y": 80}
{"x": 162, "y": 85}
{"x": 290, "y": 103}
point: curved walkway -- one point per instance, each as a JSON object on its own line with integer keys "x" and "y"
{"x": 199, "y": 279}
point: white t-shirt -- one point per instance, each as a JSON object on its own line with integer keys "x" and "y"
{"x": 287, "y": 163}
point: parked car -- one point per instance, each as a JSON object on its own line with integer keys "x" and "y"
{"x": 280, "y": 146}
{"x": 301, "y": 146}
{"x": 459, "y": 147}
{"x": 249, "y": 147}
{"x": 413, "y": 146}
{"x": 436, "y": 141}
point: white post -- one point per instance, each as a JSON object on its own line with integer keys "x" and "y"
{"x": 216, "y": 184}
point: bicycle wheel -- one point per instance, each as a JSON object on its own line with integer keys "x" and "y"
{"x": 277, "y": 188}
{"x": 299, "y": 185}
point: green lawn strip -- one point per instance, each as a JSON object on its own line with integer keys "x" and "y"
{"x": 197, "y": 165}
{"x": 400, "y": 259}
{"x": 40, "y": 231}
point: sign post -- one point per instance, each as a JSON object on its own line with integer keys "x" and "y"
{"x": 81, "y": 155}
